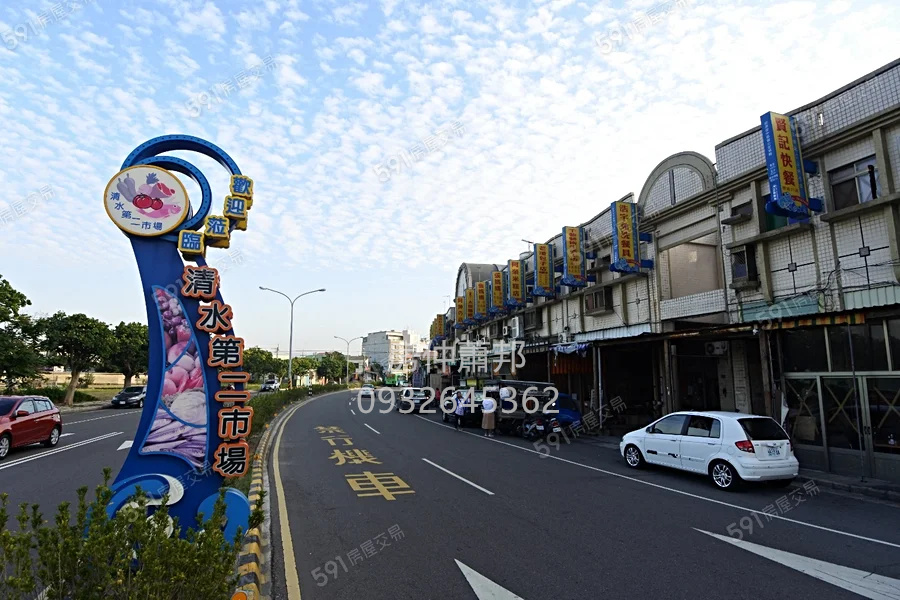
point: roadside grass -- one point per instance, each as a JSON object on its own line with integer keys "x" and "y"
{"x": 105, "y": 394}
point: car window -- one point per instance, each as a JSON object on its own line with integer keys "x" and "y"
{"x": 27, "y": 406}
{"x": 6, "y": 405}
{"x": 716, "y": 431}
{"x": 41, "y": 405}
{"x": 762, "y": 428}
{"x": 700, "y": 426}
{"x": 671, "y": 425}
{"x": 134, "y": 389}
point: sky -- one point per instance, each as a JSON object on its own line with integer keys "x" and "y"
{"x": 388, "y": 141}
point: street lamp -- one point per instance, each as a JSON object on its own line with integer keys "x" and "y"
{"x": 291, "y": 342}
{"x": 337, "y": 337}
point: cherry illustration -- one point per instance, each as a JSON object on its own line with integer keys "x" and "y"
{"x": 143, "y": 201}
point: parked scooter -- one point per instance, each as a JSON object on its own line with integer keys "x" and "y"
{"x": 539, "y": 426}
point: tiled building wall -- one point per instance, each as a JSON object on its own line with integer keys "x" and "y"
{"x": 687, "y": 184}
{"x": 659, "y": 197}
{"x": 703, "y": 303}
{"x": 852, "y": 238}
{"x": 637, "y": 305}
{"x": 610, "y": 319}
{"x": 848, "y": 153}
{"x": 689, "y": 219}
{"x": 741, "y": 399}
{"x": 892, "y": 139}
{"x": 857, "y": 103}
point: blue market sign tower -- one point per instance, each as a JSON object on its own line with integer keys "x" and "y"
{"x": 195, "y": 421}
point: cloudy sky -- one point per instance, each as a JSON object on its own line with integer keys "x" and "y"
{"x": 515, "y": 119}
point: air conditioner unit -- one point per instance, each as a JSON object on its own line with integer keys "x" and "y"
{"x": 563, "y": 338}
{"x": 716, "y": 348}
{"x": 515, "y": 327}
{"x": 505, "y": 331}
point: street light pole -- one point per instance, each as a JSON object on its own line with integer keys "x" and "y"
{"x": 337, "y": 337}
{"x": 291, "y": 339}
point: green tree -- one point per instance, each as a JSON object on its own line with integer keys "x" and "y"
{"x": 332, "y": 366}
{"x": 301, "y": 365}
{"x": 129, "y": 351}
{"x": 76, "y": 341}
{"x": 258, "y": 362}
{"x": 20, "y": 359}
{"x": 279, "y": 367}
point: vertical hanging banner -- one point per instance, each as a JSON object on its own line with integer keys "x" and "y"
{"x": 441, "y": 327}
{"x": 460, "y": 315}
{"x": 626, "y": 248}
{"x": 515, "y": 287}
{"x": 574, "y": 272}
{"x": 481, "y": 301}
{"x": 543, "y": 270}
{"x": 497, "y": 292}
{"x": 193, "y": 430}
{"x": 470, "y": 306}
{"x": 784, "y": 165}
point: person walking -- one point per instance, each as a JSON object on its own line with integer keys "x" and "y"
{"x": 460, "y": 409}
{"x": 488, "y": 419}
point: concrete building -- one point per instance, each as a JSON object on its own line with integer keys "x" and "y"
{"x": 394, "y": 350}
{"x": 741, "y": 310}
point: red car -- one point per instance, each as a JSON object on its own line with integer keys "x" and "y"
{"x": 28, "y": 420}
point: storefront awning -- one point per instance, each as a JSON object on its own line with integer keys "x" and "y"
{"x": 570, "y": 348}
{"x": 625, "y": 331}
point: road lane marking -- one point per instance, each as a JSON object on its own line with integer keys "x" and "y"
{"x": 99, "y": 418}
{"x": 20, "y": 461}
{"x": 62, "y": 435}
{"x": 292, "y": 579}
{"x": 449, "y": 472}
{"x": 354, "y": 414}
{"x": 483, "y": 587}
{"x": 676, "y": 491}
{"x": 126, "y": 444}
{"x": 866, "y": 584}
{"x": 372, "y": 428}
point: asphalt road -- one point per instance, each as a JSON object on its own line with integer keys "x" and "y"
{"x": 577, "y": 524}
{"x": 48, "y": 476}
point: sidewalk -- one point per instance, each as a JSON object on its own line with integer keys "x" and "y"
{"x": 875, "y": 488}
{"x": 82, "y": 406}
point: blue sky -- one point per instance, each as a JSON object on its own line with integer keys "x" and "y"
{"x": 563, "y": 107}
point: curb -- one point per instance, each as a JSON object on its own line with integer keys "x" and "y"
{"x": 252, "y": 569}
{"x": 254, "y": 560}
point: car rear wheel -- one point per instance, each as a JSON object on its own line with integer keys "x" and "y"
{"x": 724, "y": 476}
{"x": 633, "y": 457}
{"x": 53, "y": 439}
{"x": 5, "y": 445}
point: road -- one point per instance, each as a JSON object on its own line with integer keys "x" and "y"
{"x": 476, "y": 518}
{"x": 90, "y": 442}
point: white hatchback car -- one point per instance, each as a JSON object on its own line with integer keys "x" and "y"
{"x": 730, "y": 447}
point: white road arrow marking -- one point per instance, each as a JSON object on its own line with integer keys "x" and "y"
{"x": 126, "y": 444}
{"x": 483, "y": 587}
{"x": 867, "y": 585}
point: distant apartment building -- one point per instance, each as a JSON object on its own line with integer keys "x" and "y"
{"x": 394, "y": 350}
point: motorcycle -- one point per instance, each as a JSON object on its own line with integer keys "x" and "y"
{"x": 539, "y": 427}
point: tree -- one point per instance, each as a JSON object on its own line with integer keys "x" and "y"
{"x": 258, "y": 362}
{"x": 20, "y": 359}
{"x": 129, "y": 351}
{"x": 379, "y": 369}
{"x": 332, "y": 365}
{"x": 76, "y": 341}
{"x": 279, "y": 367}
{"x": 301, "y": 365}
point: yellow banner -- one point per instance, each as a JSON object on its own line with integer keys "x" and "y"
{"x": 470, "y": 303}
{"x": 497, "y": 289}
{"x": 515, "y": 281}
{"x": 460, "y": 308}
{"x": 788, "y": 172}
{"x": 625, "y": 227}
{"x": 573, "y": 251}
{"x": 481, "y": 298}
{"x": 544, "y": 279}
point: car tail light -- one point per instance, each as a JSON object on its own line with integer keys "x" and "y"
{"x": 539, "y": 422}
{"x": 745, "y": 446}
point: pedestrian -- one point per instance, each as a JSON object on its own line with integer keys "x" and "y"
{"x": 488, "y": 419}
{"x": 460, "y": 409}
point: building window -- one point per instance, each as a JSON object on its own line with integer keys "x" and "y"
{"x": 853, "y": 184}
{"x": 803, "y": 350}
{"x": 743, "y": 264}
{"x": 533, "y": 319}
{"x": 495, "y": 330}
{"x": 869, "y": 350}
{"x": 598, "y": 301}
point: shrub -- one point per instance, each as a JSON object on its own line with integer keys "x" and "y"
{"x": 55, "y": 394}
{"x": 86, "y": 380}
{"x": 127, "y": 556}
